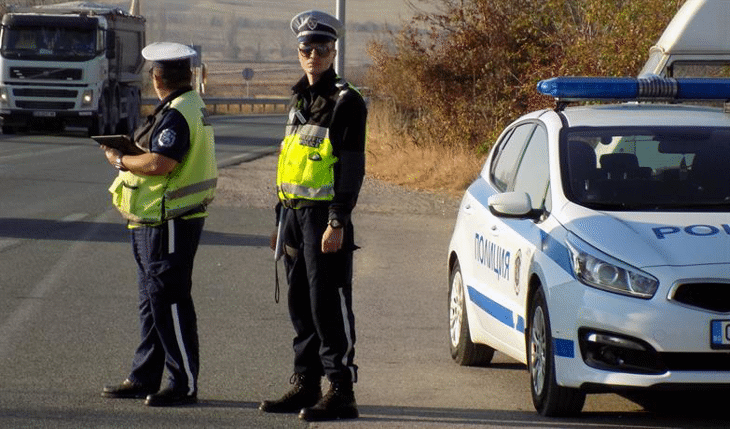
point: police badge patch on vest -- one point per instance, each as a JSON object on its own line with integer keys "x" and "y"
{"x": 167, "y": 138}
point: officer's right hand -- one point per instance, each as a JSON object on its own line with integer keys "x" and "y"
{"x": 332, "y": 240}
{"x": 272, "y": 240}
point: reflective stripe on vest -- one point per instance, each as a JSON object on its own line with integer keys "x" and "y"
{"x": 190, "y": 187}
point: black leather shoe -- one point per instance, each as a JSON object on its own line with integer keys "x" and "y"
{"x": 170, "y": 397}
{"x": 338, "y": 403}
{"x": 127, "y": 389}
{"x": 305, "y": 393}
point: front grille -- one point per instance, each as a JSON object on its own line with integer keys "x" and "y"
{"x": 707, "y": 296}
{"x": 696, "y": 361}
{"x": 45, "y": 73}
{"x": 44, "y": 105}
{"x": 45, "y": 93}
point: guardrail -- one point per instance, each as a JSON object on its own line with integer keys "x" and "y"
{"x": 240, "y": 102}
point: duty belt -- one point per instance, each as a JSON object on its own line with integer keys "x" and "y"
{"x": 300, "y": 203}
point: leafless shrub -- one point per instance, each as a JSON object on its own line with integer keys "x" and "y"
{"x": 455, "y": 77}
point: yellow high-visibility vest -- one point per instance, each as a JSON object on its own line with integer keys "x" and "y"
{"x": 306, "y": 164}
{"x": 189, "y": 188}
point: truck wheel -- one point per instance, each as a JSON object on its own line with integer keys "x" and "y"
{"x": 115, "y": 112}
{"x": 550, "y": 399}
{"x": 100, "y": 122}
{"x": 7, "y": 129}
{"x": 132, "y": 119}
{"x": 463, "y": 350}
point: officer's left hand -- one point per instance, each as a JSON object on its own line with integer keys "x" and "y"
{"x": 332, "y": 240}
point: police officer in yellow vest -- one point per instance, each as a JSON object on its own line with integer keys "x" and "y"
{"x": 319, "y": 175}
{"x": 163, "y": 193}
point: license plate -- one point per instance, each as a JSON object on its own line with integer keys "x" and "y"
{"x": 41, "y": 114}
{"x": 720, "y": 334}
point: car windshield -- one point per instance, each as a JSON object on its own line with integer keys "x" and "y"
{"x": 61, "y": 43}
{"x": 640, "y": 168}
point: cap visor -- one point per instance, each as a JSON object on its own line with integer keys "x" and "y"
{"x": 315, "y": 38}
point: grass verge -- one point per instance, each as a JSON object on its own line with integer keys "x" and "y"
{"x": 394, "y": 156}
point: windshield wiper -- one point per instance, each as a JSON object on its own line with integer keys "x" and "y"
{"x": 697, "y": 204}
{"x": 655, "y": 205}
{"x": 608, "y": 205}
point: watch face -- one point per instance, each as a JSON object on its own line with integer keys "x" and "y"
{"x": 334, "y": 223}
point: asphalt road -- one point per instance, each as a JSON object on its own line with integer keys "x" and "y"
{"x": 68, "y": 321}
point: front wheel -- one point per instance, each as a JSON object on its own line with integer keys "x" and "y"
{"x": 100, "y": 121}
{"x": 550, "y": 399}
{"x": 463, "y": 350}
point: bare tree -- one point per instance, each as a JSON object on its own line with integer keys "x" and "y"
{"x": 231, "y": 48}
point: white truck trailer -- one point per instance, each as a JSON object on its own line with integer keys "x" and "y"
{"x": 71, "y": 64}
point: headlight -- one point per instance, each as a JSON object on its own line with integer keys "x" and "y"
{"x": 87, "y": 97}
{"x": 4, "y": 98}
{"x": 599, "y": 270}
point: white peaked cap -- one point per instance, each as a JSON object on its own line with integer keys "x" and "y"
{"x": 168, "y": 51}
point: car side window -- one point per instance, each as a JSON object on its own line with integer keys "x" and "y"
{"x": 533, "y": 173}
{"x": 508, "y": 156}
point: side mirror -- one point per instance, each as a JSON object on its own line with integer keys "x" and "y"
{"x": 513, "y": 205}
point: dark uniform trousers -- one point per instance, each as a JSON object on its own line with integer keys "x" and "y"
{"x": 320, "y": 296}
{"x": 169, "y": 335}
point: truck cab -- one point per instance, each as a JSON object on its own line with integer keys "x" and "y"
{"x": 71, "y": 64}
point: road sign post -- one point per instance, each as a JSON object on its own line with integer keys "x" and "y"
{"x": 340, "y": 44}
{"x": 247, "y": 76}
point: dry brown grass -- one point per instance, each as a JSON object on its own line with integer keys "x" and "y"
{"x": 395, "y": 157}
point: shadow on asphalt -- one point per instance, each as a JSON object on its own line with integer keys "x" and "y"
{"x": 41, "y": 229}
{"x": 446, "y": 417}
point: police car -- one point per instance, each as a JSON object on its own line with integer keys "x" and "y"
{"x": 595, "y": 245}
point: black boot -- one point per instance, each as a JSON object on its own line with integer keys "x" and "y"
{"x": 128, "y": 389}
{"x": 338, "y": 403}
{"x": 305, "y": 393}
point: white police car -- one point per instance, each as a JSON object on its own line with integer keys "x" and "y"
{"x": 595, "y": 244}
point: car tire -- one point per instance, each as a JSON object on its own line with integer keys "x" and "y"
{"x": 463, "y": 350}
{"x": 550, "y": 399}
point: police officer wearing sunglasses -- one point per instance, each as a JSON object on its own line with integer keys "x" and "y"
{"x": 319, "y": 175}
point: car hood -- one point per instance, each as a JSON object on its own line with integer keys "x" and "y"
{"x": 655, "y": 239}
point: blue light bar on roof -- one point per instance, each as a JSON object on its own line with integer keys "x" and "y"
{"x": 627, "y": 88}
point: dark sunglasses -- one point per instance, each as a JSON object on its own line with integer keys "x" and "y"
{"x": 322, "y": 50}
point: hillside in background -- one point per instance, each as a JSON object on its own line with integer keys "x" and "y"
{"x": 238, "y": 34}
{"x": 258, "y": 30}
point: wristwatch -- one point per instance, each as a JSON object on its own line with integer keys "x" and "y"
{"x": 335, "y": 224}
{"x": 118, "y": 163}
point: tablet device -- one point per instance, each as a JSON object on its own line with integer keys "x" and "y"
{"x": 121, "y": 142}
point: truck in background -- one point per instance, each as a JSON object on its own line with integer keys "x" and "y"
{"x": 696, "y": 43}
{"x": 71, "y": 64}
